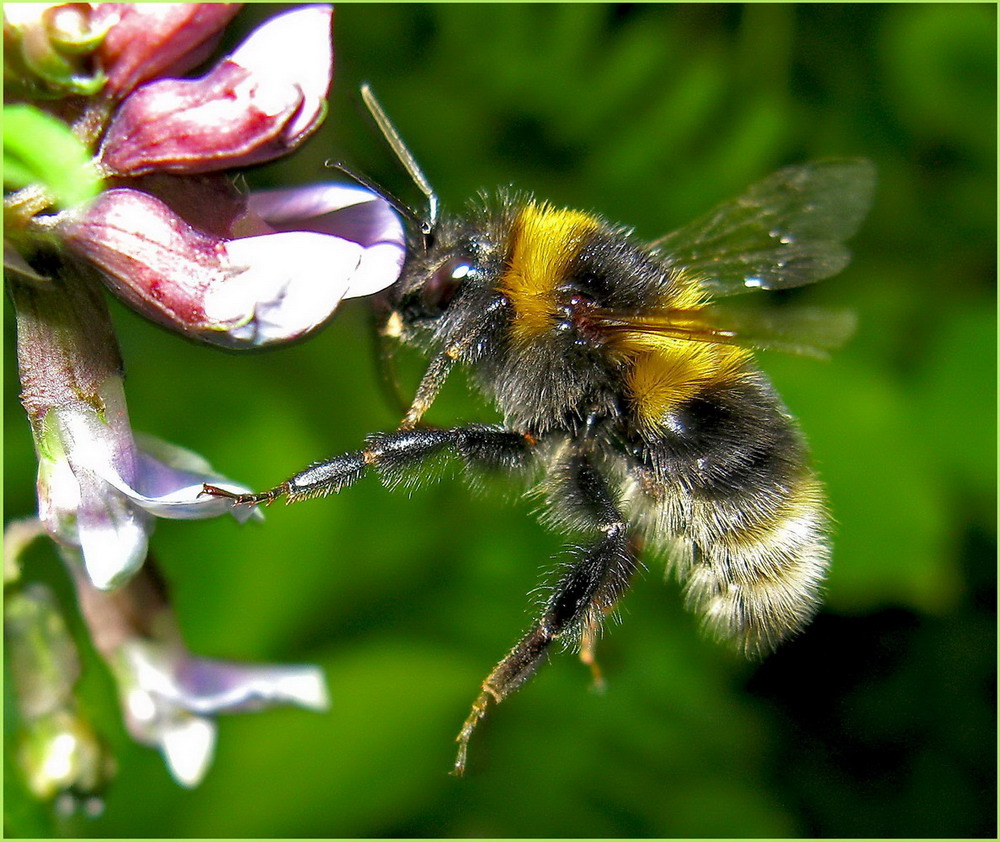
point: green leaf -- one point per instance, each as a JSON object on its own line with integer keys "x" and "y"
{"x": 39, "y": 149}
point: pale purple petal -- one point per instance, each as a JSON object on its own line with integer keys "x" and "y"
{"x": 171, "y": 480}
{"x": 168, "y": 695}
{"x": 346, "y": 211}
{"x": 211, "y": 686}
{"x": 154, "y": 717}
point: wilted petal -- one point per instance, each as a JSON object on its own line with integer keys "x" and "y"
{"x": 250, "y": 108}
{"x": 147, "y": 40}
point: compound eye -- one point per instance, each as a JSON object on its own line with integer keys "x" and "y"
{"x": 440, "y": 288}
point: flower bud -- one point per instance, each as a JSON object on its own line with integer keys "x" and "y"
{"x": 47, "y": 49}
{"x": 256, "y": 105}
{"x": 57, "y": 747}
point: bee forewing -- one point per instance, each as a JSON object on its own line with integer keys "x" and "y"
{"x": 785, "y": 231}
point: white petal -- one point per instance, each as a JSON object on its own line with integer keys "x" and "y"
{"x": 304, "y": 686}
{"x": 380, "y": 266}
{"x": 113, "y": 534}
{"x": 282, "y": 285}
{"x": 188, "y": 744}
{"x": 347, "y": 212}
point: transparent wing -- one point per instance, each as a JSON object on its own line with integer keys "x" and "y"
{"x": 785, "y": 231}
{"x": 799, "y": 330}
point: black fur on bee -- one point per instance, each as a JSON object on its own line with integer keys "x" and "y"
{"x": 625, "y": 394}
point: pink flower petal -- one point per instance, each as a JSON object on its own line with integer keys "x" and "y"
{"x": 147, "y": 40}
{"x": 149, "y": 256}
{"x": 302, "y": 39}
{"x": 244, "y": 291}
{"x": 257, "y": 105}
{"x": 228, "y": 118}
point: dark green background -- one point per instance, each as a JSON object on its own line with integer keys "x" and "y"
{"x": 878, "y": 721}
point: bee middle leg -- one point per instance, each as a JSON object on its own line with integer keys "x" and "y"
{"x": 591, "y": 584}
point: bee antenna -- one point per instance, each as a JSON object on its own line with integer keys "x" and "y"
{"x": 401, "y": 208}
{"x": 405, "y": 157}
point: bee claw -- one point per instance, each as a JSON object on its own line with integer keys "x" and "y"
{"x": 266, "y": 497}
{"x": 214, "y": 491}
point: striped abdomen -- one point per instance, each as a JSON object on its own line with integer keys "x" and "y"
{"x": 728, "y": 490}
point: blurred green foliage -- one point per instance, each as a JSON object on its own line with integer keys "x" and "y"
{"x": 878, "y": 721}
{"x": 39, "y": 149}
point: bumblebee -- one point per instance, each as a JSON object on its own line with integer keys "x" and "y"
{"x": 629, "y": 396}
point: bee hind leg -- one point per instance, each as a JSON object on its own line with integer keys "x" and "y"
{"x": 592, "y": 582}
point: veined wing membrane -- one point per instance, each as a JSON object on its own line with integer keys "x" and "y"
{"x": 808, "y": 331}
{"x": 785, "y": 231}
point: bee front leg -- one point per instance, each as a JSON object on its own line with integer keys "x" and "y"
{"x": 395, "y": 457}
{"x": 591, "y": 584}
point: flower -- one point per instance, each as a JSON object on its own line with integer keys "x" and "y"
{"x": 165, "y": 228}
{"x": 168, "y": 695}
{"x": 178, "y": 243}
{"x": 99, "y": 486}
{"x": 311, "y": 248}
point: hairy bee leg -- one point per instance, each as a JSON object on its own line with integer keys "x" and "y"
{"x": 392, "y": 455}
{"x": 590, "y": 586}
{"x": 588, "y": 649}
{"x": 615, "y": 589}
